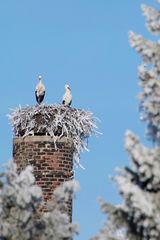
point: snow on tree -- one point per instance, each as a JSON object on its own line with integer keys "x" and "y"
{"x": 138, "y": 217}
{"x": 56, "y": 121}
{"x": 20, "y": 201}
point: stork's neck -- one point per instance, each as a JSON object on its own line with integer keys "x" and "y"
{"x": 68, "y": 90}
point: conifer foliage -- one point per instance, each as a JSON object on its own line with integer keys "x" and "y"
{"x": 20, "y": 201}
{"x": 138, "y": 217}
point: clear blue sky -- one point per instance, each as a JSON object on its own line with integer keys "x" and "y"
{"x": 83, "y": 43}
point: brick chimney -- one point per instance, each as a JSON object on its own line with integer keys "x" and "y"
{"x": 52, "y": 166}
{"x": 47, "y": 137}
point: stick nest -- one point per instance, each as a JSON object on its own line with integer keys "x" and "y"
{"x": 56, "y": 121}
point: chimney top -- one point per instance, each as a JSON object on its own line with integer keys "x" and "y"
{"x": 56, "y": 121}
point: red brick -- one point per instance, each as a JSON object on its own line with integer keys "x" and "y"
{"x": 51, "y": 166}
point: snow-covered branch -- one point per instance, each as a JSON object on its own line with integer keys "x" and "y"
{"x": 149, "y": 50}
{"x": 152, "y": 18}
{"x": 149, "y": 74}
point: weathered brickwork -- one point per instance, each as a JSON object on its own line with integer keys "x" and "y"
{"x": 52, "y": 166}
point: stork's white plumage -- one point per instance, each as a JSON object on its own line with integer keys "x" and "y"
{"x": 40, "y": 90}
{"x": 67, "y": 98}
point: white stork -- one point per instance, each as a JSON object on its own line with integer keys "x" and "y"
{"x": 67, "y": 98}
{"x": 40, "y": 90}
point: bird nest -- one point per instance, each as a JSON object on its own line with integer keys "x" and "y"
{"x": 56, "y": 121}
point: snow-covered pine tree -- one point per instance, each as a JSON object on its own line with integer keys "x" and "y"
{"x": 20, "y": 200}
{"x": 138, "y": 217}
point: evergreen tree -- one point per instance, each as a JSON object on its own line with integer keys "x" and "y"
{"x": 138, "y": 217}
{"x": 20, "y": 201}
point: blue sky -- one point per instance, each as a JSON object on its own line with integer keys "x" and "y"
{"x": 83, "y": 43}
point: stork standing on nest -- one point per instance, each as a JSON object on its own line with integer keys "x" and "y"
{"x": 40, "y": 91}
{"x": 67, "y": 98}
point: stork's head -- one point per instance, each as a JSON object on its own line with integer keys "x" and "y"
{"x": 67, "y": 87}
{"x": 40, "y": 78}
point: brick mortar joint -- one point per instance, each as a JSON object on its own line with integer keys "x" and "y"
{"x": 55, "y": 173}
{"x": 41, "y": 139}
